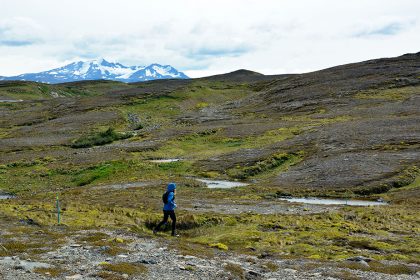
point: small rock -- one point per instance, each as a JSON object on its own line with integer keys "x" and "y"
{"x": 125, "y": 276}
{"x": 264, "y": 255}
{"x": 108, "y": 259}
{"x": 290, "y": 270}
{"x": 188, "y": 257}
{"x": 147, "y": 261}
{"x": 122, "y": 256}
{"x": 29, "y": 222}
{"x": 359, "y": 259}
{"x": 75, "y": 245}
{"x": 364, "y": 263}
{"x": 74, "y": 277}
{"x": 254, "y": 273}
{"x": 182, "y": 267}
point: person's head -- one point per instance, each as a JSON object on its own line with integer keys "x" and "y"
{"x": 171, "y": 187}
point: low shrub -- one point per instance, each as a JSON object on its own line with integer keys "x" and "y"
{"x": 101, "y": 138}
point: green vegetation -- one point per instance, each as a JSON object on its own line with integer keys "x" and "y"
{"x": 236, "y": 270}
{"x": 201, "y": 123}
{"x": 375, "y": 232}
{"x": 94, "y": 173}
{"x": 127, "y": 268}
{"x": 219, "y": 246}
{"x": 392, "y": 94}
{"x": 393, "y": 269}
{"x": 407, "y": 177}
{"x": 269, "y": 164}
{"x": 53, "y": 271}
{"x": 101, "y": 138}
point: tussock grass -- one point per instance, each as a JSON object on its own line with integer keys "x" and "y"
{"x": 235, "y": 270}
{"x": 125, "y": 268}
{"x": 376, "y": 266}
{"x": 52, "y": 271}
{"x": 187, "y": 248}
{"x": 95, "y": 237}
{"x": 342, "y": 274}
{"x": 109, "y": 275}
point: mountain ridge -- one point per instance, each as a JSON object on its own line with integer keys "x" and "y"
{"x": 100, "y": 69}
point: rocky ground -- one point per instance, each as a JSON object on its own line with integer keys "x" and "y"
{"x": 79, "y": 260}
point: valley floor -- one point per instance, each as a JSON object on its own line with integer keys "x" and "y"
{"x": 108, "y": 150}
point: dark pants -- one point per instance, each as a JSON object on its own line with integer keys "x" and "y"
{"x": 166, "y": 214}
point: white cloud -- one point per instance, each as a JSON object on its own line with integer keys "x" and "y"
{"x": 206, "y": 37}
{"x": 19, "y": 31}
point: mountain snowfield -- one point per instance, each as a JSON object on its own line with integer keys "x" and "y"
{"x": 100, "y": 69}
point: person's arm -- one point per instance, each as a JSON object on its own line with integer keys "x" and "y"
{"x": 171, "y": 200}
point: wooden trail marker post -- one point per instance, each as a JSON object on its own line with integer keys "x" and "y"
{"x": 58, "y": 210}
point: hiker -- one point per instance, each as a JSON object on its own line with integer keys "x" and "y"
{"x": 168, "y": 208}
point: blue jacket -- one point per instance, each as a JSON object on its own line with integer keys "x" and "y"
{"x": 171, "y": 205}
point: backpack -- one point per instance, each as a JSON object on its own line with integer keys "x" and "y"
{"x": 165, "y": 197}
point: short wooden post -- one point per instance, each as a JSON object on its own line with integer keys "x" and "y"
{"x": 58, "y": 210}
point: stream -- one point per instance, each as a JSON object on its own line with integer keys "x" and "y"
{"x": 216, "y": 184}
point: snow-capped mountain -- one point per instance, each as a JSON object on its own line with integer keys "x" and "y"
{"x": 101, "y": 69}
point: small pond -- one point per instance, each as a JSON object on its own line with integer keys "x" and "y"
{"x": 331, "y": 201}
{"x": 165, "y": 160}
{"x": 215, "y": 184}
{"x": 6, "y": 196}
{"x": 10, "y": 100}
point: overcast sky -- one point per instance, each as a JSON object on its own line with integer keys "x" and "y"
{"x": 203, "y": 37}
